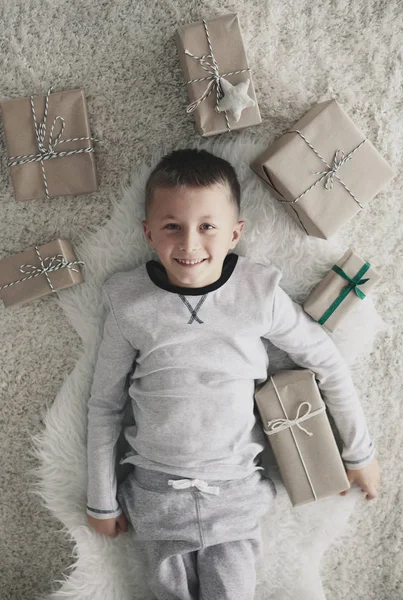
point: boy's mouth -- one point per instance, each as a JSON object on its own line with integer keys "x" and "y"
{"x": 191, "y": 263}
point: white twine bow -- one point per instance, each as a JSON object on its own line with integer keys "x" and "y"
{"x": 209, "y": 64}
{"x": 46, "y": 153}
{"x": 181, "y": 484}
{"x": 276, "y": 425}
{"x": 55, "y": 263}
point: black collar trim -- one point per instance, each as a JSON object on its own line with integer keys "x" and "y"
{"x": 158, "y": 275}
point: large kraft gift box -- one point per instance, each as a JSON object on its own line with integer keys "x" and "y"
{"x": 40, "y": 271}
{"x": 27, "y": 140}
{"x": 306, "y": 452}
{"x": 342, "y": 289}
{"x": 323, "y": 169}
{"x": 229, "y": 53}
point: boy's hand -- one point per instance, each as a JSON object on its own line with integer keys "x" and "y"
{"x": 368, "y": 478}
{"x": 111, "y": 527}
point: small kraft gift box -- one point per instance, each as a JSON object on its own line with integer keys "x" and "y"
{"x": 294, "y": 419}
{"x": 40, "y": 271}
{"x": 323, "y": 170}
{"x": 345, "y": 286}
{"x": 49, "y": 145}
{"x": 218, "y": 77}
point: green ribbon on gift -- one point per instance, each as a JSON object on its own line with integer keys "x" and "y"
{"x": 352, "y": 286}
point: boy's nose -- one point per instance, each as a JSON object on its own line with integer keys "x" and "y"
{"x": 189, "y": 242}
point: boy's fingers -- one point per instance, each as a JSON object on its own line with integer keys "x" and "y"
{"x": 122, "y": 524}
{"x": 371, "y": 493}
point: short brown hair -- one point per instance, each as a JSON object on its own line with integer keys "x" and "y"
{"x": 195, "y": 168}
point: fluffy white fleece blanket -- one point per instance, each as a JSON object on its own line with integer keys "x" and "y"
{"x": 295, "y": 538}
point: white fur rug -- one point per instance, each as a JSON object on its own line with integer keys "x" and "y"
{"x": 295, "y": 538}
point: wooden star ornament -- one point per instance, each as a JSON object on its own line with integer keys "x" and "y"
{"x": 235, "y": 98}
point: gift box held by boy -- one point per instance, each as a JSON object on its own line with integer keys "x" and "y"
{"x": 187, "y": 330}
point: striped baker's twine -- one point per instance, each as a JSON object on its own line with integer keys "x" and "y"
{"x": 338, "y": 161}
{"x": 47, "y": 153}
{"x": 55, "y": 263}
{"x": 209, "y": 64}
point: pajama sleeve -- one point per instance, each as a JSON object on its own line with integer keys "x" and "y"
{"x": 310, "y": 347}
{"x": 115, "y": 360}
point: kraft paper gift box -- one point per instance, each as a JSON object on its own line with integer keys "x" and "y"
{"x": 343, "y": 288}
{"x": 40, "y": 271}
{"x": 323, "y": 170}
{"x": 230, "y": 62}
{"x": 306, "y": 451}
{"x": 44, "y": 156}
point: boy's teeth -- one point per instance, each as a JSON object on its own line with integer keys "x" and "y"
{"x": 189, "y": 262}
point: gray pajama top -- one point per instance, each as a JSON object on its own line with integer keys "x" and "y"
{"x": 193, "y": 357}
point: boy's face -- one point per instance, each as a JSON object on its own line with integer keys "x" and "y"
{"x": 192, "y": 223}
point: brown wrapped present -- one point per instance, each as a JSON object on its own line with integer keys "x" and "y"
{"x": 299, "y": 432}
{"x": 42, "y": 165}
{"x": 323, "y": 169}
{"x": 213, "y": 60}
{"x": 345, "y": 286}
{"x": 38, "y": 272}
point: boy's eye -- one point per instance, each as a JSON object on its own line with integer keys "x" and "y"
{"x": 175, "y": 225}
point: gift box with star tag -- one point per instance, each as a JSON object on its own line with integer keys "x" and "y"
{"x": 345, "y": 286}
{"x": 217, "y": 75}
{"x": 49, "y": 144}
{"x": 298, "y": 430}
{"x": 40, "y": 271}
{"x": 324, "y": 170}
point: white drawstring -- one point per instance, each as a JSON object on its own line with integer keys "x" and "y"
{"x": 181, "y": 484}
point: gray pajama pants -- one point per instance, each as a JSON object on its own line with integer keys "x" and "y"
{"x": 197, "y": 544}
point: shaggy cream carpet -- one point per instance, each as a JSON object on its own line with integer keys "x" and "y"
{"x": 124, "y": 56}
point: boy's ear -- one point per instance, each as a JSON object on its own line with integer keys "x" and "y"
{"x": 239, "y": 227}
{"x": 236, "y": 234}
{"x": 147, "y": 231}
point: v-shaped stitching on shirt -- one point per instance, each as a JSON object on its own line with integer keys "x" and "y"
{"x": 192, "y": 310}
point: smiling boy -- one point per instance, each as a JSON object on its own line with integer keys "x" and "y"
{"x": 187, "y": 329}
